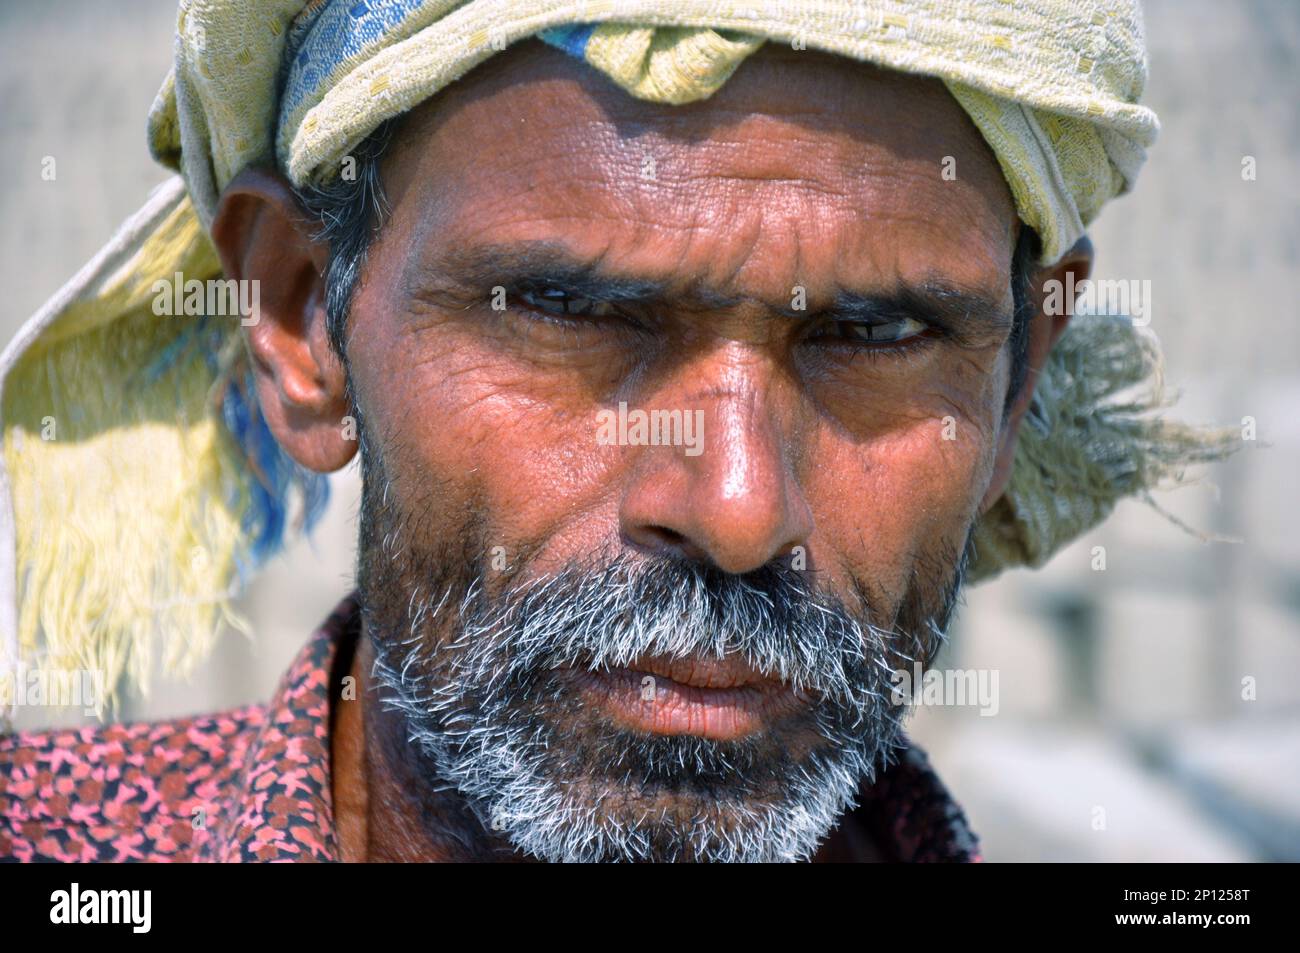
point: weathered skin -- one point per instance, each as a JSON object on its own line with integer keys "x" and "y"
{"x": 804, "y": 170}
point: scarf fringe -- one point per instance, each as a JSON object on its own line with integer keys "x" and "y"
{"x": 1092, "y": 436}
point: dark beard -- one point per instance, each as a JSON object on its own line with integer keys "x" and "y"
{"x": 480, "y": 666}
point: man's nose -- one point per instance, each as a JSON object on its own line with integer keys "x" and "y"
{"x": 737, "y": 504}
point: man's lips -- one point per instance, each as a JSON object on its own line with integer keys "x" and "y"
{"x": 718, "y": 699}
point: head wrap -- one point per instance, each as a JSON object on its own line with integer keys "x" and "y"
{"x": 140, "y": 485}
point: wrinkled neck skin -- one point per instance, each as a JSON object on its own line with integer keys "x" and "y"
{"x": 387, "y": 807}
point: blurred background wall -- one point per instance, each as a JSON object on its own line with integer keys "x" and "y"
{"x": 1121, "y": 731}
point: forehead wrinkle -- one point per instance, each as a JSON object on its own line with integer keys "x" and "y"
{"x": 587, "y": 165}
{"x": 579, "y": 114}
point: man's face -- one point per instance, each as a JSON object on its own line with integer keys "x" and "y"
{"x": 617, "y": 648}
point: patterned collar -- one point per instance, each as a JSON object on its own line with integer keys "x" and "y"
{"x": 253, "y": 784}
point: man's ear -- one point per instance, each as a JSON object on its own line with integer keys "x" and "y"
{"x": 1044, "y": 331}
{"x": 262, "y": 235}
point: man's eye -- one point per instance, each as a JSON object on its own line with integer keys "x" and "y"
{"x": 886, "y": 332}
{"x": 558, "y": 301}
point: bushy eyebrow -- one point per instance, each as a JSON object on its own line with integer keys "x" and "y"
{"x": 962, "y": 314}
{"x": 476, "y": 270}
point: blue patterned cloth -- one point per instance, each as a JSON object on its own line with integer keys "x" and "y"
{"x": 326, "y": 35}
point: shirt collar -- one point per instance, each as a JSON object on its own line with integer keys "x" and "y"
{"x": 282, "y": 809}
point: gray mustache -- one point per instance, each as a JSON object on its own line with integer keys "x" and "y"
{"x": 608, "y": 616}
